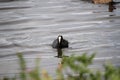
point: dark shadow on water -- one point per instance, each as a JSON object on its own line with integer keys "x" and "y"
{"x": 112, "y": 6}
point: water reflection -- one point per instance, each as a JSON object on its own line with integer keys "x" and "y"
{"x": 59, "y": 53}
{"x": 111, "y": 6}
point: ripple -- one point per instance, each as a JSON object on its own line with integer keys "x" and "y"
{"x": 16, "y": 21}
{"x": 6, "y": 0}
{"x": 9, "y": 8}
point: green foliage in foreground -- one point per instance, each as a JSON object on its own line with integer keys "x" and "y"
{"x": 78, "y": 65}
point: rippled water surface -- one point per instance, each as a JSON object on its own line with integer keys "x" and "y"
{"x": 30, "y": 26}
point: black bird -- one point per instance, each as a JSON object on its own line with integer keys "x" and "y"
{"x": 60, "y": 43}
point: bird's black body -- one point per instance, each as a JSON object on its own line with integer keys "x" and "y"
{"x": 60, "y": 43}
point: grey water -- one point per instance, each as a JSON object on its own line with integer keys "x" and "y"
{"x": 30, "y": 26}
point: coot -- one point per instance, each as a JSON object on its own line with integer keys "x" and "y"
{"x": 60, "y": 43}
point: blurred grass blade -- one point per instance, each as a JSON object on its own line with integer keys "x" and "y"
{"x": 35, "y": 74}
{"x": 22, "y": 66}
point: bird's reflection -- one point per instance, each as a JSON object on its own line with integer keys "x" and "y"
{"x": 59, "y": 53}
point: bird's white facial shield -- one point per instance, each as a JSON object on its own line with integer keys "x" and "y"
{"x": 59, "y": 39}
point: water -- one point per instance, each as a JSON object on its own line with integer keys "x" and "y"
{"x": 30, "y": 26}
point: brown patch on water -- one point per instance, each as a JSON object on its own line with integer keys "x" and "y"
{"x": 101, "y": 1}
